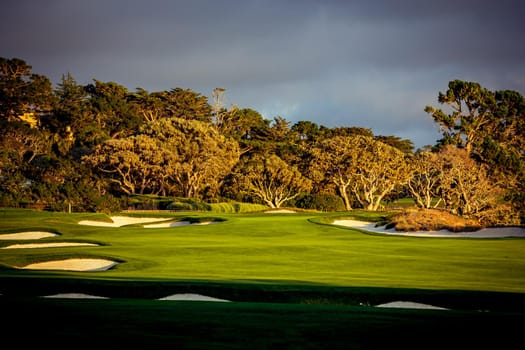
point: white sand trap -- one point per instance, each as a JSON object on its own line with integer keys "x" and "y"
{"x": 48, "y": 245}
{"x": 26, "y": 235}
{"x": 119, "y": 221}
{"x": 74, "y": 296}
{"x": 192, "y": 297}
{"x": 205, "y": 223}
{"x": 178, "y": 223}
{"x": 280, "y": 211}
{"x": 73, "y": 265}
{"x": 410, "y": 305}
{"x": 168, "y": 224}
{"x": 491, "y": 232}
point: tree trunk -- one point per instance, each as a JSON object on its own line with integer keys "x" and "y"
{"x": 344, "y": 195}
{"x": 270, "y": 204}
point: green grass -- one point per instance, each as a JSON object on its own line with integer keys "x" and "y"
{"x": 276, "y": 248}
{"x": 297, "y": 283}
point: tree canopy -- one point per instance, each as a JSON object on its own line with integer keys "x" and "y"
{"x": 271, "y": 179}
{"x": 95, "y": 145}
{"x": 363, "y": 170}
{"x": 24, "y": 96}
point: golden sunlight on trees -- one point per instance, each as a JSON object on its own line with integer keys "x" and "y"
{"x": 423, "y": 185}
{"x": 333, "y": 161}
{"x": 96, "y": 144}
{"x": 197, "y": 156}
{"x": 471, "y": 112}
{"x": 177, "y": 102}
{"x": 171, "y": 156}
{"x": 381, "y": 168}
{"x": 129, "y": 163}
{"x": 270, "y": 179}
{"x": 361, "y": 168}
{"x": 489, "y": 126}
{"x": 465, "y": 185}
{"x": 453, "y": 180}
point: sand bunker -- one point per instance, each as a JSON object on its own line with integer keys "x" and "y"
{"x": 119, "y": 221}
{"x": 73, "y": 265}
{"x": 74, "y": 296}
{"x": 280, "y": 211}
{"x": 26, "y": 235}
{"x": 192, "y": 297}
{"x": 410, "y": 305}
{"x": 48, "y": 245}
{"x": 168, "y": 224}
{"x": 492, "y": 232}
{"x": 178, "y": 223}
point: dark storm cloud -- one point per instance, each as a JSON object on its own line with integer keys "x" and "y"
{"x": 368, "y": 63}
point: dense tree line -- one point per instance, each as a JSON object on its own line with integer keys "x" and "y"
{"x": 92, "y": 146}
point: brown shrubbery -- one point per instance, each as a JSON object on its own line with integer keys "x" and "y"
{"x": 431, "y": 220}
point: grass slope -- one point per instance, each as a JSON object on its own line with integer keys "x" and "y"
{"x": 280, "y": 248}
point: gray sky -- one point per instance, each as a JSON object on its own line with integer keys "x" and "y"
{"x": 372, "y": 63}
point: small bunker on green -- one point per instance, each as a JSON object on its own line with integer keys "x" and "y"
{"x": 26, "y": 235}
{"x": 73, "y": 265}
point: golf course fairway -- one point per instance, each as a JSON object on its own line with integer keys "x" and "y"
{"x": 294, "y": 280}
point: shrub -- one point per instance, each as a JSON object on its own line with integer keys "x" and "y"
{"x": 321, "y": 202}
{"x": 107, "y": 204}
{"x": 431, "y": 220}
{"x": 149, "y": 202}
{"x": 188, "y": 204}
{"x": 249, "y": 207}
{"x": 226, "y": 208}
{"x": 502, "y": 214}
{"x": 236, "y": 207}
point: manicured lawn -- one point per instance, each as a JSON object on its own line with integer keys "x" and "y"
{"x": 296, "y": 283}
{"x": 280, "y": 248}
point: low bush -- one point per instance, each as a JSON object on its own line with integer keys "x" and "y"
{"x": 236, "y": 207}
{"x": 249, "y": 207}
{"x": 227, "y": 208}
{"x": 148, "y": 202}
{"x": 431, "y": 220}
{"x": 107, "y": 204}
{"x": 321, "y": 202}
{"x": 188, "y": 204}
{"x": 501, "y": 214}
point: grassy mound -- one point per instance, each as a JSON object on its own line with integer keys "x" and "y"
{"x": 431, "y": 220}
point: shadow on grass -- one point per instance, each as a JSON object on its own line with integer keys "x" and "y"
{"x": 207, "y": 325}
{"x": 35, "y": 283}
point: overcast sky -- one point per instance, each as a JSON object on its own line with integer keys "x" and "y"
{"x": 372, "y": 63}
